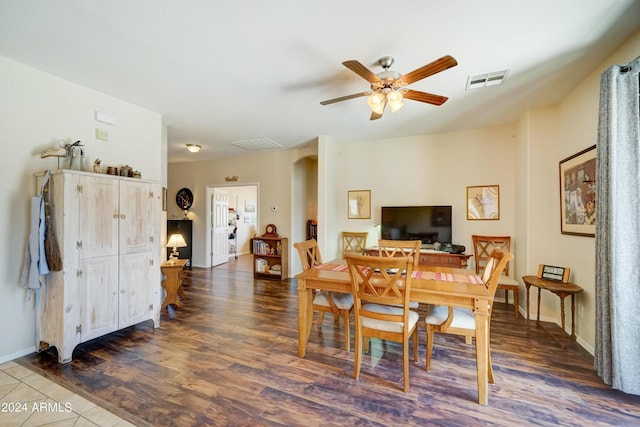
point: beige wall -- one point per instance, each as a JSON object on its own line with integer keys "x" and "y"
{"x": 37, "y": 109}
{"x": 578, "y": 129}
{"x": 423, "y": 170}
{"x": 271, "y": 171}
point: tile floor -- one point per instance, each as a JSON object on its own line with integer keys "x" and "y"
{"x": 29, "y": 399}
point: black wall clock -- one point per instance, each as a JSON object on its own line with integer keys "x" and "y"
{"x": 184, "y": 198}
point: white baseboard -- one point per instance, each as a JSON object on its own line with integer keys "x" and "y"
{"x": 17, "y": 354}
{"x": 532, "y": 316}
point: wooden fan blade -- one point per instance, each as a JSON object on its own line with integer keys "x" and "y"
{"x": 344, "y": 98}
{"x": 429, "y": 69}
{"x": 361, "y": 70}
{"x": 429, "y": 98}
{"x": 376, "y": 116}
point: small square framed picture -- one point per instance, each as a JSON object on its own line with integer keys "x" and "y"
{"x": 483, "y": 202}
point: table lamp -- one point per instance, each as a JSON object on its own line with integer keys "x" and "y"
{"x": 175, "y": 241}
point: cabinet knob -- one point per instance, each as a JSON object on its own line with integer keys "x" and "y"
{"x": 123, "y": 216}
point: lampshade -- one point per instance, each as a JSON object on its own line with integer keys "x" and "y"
{"x": 194, "y": 148}
{"x": 376, "y": 102}
{"x": 176, "y": 241}
{"x": 395, "y": 100}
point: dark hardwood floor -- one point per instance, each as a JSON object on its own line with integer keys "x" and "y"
{"x": 229, "y": 357}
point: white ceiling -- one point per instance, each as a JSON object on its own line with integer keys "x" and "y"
{"x": 227, "y": 71}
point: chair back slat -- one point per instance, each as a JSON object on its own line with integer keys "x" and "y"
{"x": 380, "y": 280}
{"x": 482, "y": 247}
{"x": 400, "y": 248}
{"x": 309, "y": 253}
{"x": 354, "y": 242}
{"x": 496, "y": 264}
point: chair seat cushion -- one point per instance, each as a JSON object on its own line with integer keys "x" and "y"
{"x": 342, "y": 301}
{"x": 383, "y": 325}
{"x": 462, "y": 317}
{"x": 508, "y": 281}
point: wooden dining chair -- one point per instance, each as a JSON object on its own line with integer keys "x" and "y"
{"x": 380, "y": 282}
{"x": 394, "y": 248}
{"x": 482, "y": 247}
{"x": 461, "y": 321}
{"x": 354, "y": 242}
{"x": 400, "y": 248}
{"x": 336, "y": 303}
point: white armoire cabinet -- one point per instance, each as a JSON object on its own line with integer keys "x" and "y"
{"x": 108, "y": 231}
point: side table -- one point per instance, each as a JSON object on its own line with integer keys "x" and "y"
{"x": 562, "y": 290}
{"x": 172, "y": 284}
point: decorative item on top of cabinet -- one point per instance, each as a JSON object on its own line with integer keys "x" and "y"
{"x": 109, "y": 230}
{"x": 270, "y": 231}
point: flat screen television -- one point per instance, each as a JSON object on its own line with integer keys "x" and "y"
{"x": 429, "y": 224}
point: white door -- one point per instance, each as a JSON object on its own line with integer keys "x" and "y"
{"x": 219, "y": 218}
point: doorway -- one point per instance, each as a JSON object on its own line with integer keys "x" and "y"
{"x": 232, "y": 221}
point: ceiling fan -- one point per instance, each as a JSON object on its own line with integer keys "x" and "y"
{"x": 389, "y": 87}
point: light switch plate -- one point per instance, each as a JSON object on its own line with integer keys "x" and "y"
{"x": 102, "y": 134}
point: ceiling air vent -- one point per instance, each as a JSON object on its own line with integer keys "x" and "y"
{"x": 257, "y": 144}
{"x": 486, "y": 79}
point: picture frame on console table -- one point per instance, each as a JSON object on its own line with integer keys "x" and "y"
{"x": 359, "y": 204}
{"x": 483, "y": 202}
{"x": 578, "y": 193}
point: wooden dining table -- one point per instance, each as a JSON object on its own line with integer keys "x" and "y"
{"x": 456, "y": 287}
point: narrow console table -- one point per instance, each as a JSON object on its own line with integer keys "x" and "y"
{"x": 562, "y": 290}
{"x": 172, "y": 283}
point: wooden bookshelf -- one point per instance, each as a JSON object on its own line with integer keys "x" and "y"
{"x": 270, "y": 258}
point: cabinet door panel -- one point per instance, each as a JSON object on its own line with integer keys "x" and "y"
{"x": 136, "y": 275}
{"x": 98, "y": 284}
{"x": 136, "y": 231}
{"x": 98, "y": 216}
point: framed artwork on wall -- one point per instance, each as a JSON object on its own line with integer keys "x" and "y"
{"x": 483, "y": 202}
{"x": 578, "y": 193}
{"x": 359, "y": 204}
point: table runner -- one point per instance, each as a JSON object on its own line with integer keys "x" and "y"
{"x": 330, "y": 266}
{"x": 417, "y": 274}
{"x": 447, "y": 277}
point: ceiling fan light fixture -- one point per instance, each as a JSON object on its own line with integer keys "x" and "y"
{"x": 376, "y": 102}
{"x": 194, "y": 148}
{"x": 395, "y": 100}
